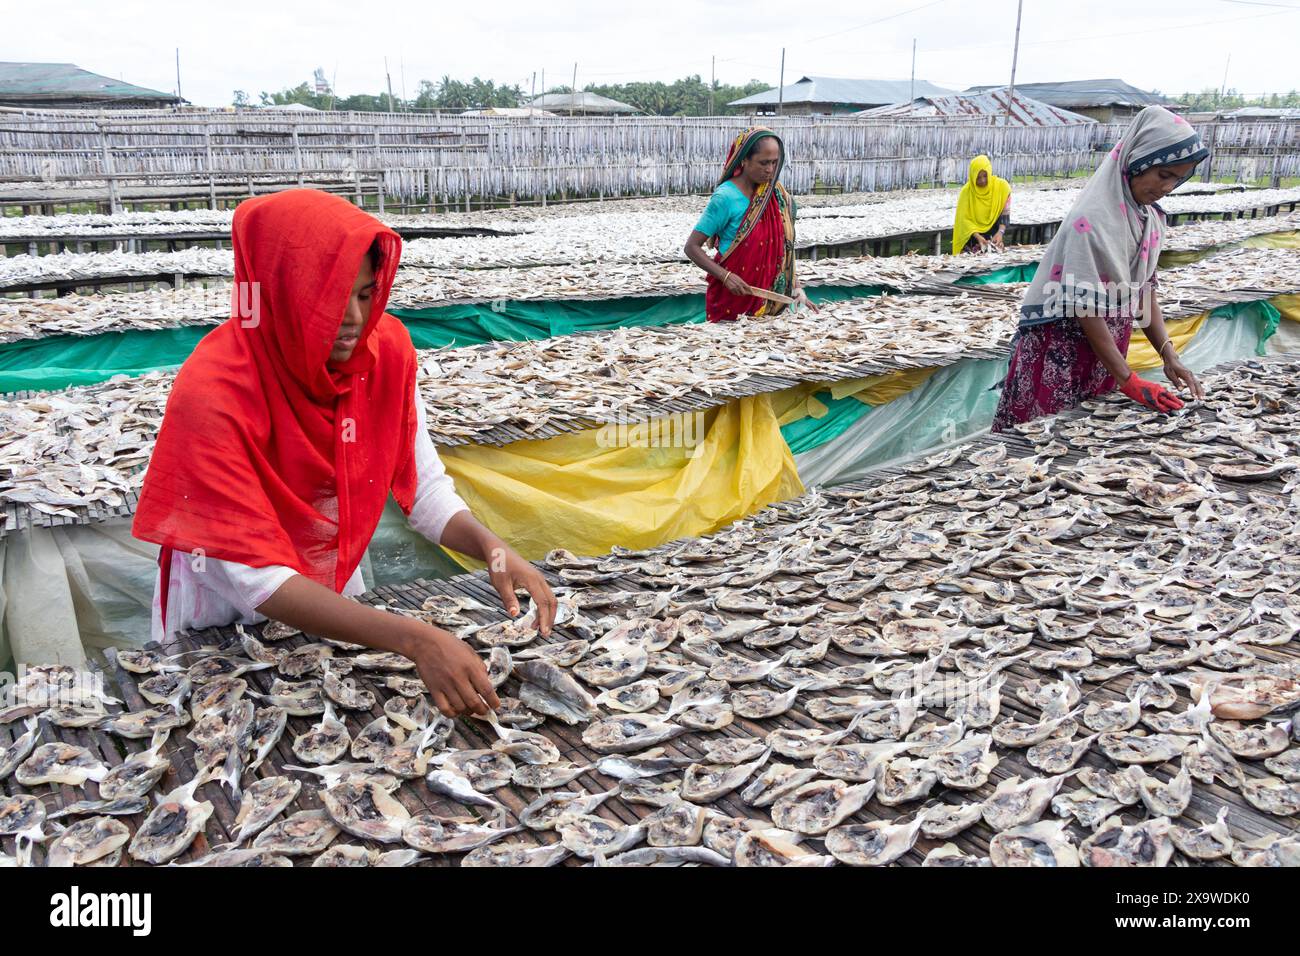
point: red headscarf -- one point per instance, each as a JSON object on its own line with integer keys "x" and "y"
{"x": 266, "y": 454}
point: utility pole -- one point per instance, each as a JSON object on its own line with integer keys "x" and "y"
{"x": 178, "y": 71}
{"x": 573, "y": 97}
{"x": 1223, "y": 90}
{"x": 1015, "y": 57}
{"x": 780, "y": 89}
{"x": 713, "y": 80}
{"x": 533, "y": 95}
{"x": 389, "y": 77}
{"x": 912, "y": 92}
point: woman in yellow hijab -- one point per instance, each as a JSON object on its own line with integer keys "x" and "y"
{"x": 983, "y": 209}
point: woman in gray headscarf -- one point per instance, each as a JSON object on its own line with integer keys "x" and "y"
{"x": 1098, "y": 275}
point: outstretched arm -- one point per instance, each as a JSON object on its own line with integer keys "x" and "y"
{"x": 456, "y": 677}
{"x": 1178, "y": 374}
{"x": 695, "y": 252}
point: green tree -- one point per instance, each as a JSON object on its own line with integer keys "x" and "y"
{"x": 688, "y": 96}
{"x": 1210, "y": 100}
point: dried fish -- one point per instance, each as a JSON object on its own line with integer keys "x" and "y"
{"x": 59, "y": 763}
{"x": 1040, "y": 844}
{"x": 172, "y": 825}
{"x": 1143, "y": 844}
{"x": 265, "y": 800}
{"x": 586, "y": 835}
{"x": 365, "y": 809}
{"x": 325, "y": 742}
{"x": 878, "y": 843}
{"x": 819, "y": 805}
{"x": 306, "y": 833}
{"x": 87, "y": 841}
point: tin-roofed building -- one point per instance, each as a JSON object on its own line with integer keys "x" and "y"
{"x": 998, "y": 107}
{"x": 581, "y": 104}
{"x": 827, "y": 95}
{"x": 1107, "y": 101}
{"x": 55, "y": 86}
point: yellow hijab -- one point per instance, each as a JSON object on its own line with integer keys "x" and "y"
{"x": 978, "y": 209}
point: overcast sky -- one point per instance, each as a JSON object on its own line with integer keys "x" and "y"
{"x": 1169, "y": 45}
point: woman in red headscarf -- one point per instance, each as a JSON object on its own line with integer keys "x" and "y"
{"x": 750, "y": 220}
{"x": 285, "y": 433}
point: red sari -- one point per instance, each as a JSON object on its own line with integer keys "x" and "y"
{"x": 267, "y": 454}
{"x": 762, "y": 253}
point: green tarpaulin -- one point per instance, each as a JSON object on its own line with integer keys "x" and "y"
{"x": 64, "y": 360}
{"x": 59, "y": 361}
{"x": 1024, "y": 273}
{"x": 1210, "y": 347}
{"x": 808, "y": 433}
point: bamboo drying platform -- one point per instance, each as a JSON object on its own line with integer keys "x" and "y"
{"x": 90, "y": 240}
{"x": 16, "y": 518}
{"x": 1245, "y": 821}
{"x": 865, "y": 243}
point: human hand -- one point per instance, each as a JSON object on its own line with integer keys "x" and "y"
{"x": 456, "y": 677}
{"x": 509, "y": 572}
{"x": 1181, "y": 376}
{"x": 802, "y": 301}
{"x": 1150, "y": 394}
{"x": 736, "y": 285}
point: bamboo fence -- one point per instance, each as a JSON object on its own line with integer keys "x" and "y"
{"x": 457, "y": 157}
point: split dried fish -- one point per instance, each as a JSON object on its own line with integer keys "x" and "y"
{"x": 820, "y": 805}
{"x": 1040, "y": 844}
{"x": 1143, "y": 844}
{"x": 172, "y": 825}
{"x": 261, "y": 803}
{"x": 59, "y": 763}
{"x": 878, "y": 843}
{"x": 87, "y": 841}
{"x": 305, "y": 833}
{"x": 366, "y": 810}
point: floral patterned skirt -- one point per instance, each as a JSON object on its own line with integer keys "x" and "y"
{"x": 1053, "y": 368}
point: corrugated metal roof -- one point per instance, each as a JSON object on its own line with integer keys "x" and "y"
{"x": 1076, "y": 94}
{"x": 831, "y": 89}
{"x": 67, "y": 80}
{"x": 508, "y": 111}
{"x": 581, "y": 103}
{"x": 1022, "y": 111}
{"x": 1262, "y": 112}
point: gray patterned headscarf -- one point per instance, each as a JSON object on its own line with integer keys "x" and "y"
{"x": 1108, "y": 247}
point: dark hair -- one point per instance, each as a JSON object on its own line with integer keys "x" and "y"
{"x": 376, "y": 254}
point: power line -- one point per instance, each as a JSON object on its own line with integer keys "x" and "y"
{"x": 872, "y": 23}
{"x": 1260, "y": 3}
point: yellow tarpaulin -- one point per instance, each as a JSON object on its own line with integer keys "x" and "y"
{"x": 637, "y": 486}
{"x": 1141, "y": 356}
{"x": 801, "y": 401}
{"x": 1272, "y": 240}
{"x": 1288, "y": 305}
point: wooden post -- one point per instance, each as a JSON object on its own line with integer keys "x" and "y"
{"x": 114, "y": 205}
{"x": 212, "y": 182}
{"x": 297, "y": 154}
{"x": 1213, "y": 131}
{"x": 379, "y": 167}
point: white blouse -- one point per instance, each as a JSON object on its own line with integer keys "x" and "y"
{"x": 219, "y": 593}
